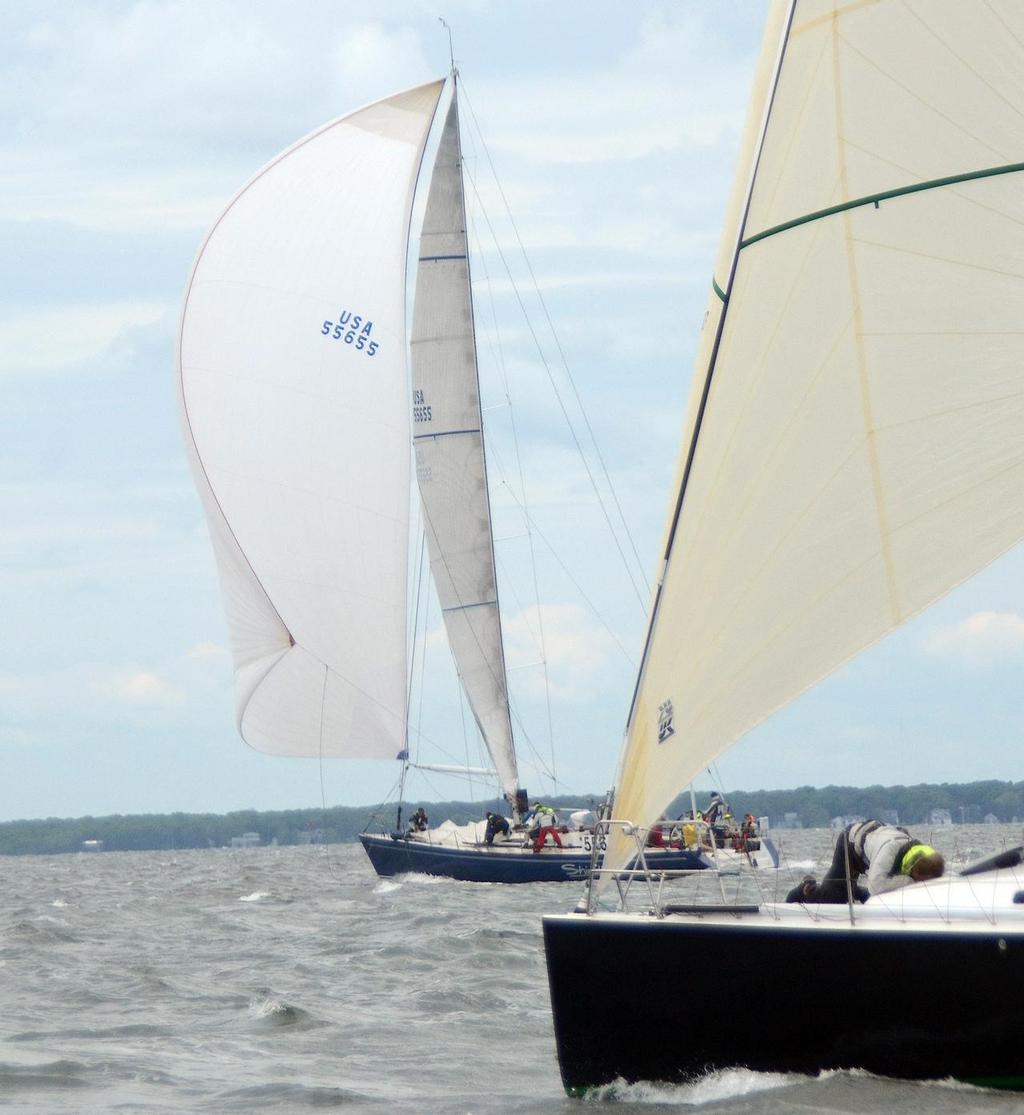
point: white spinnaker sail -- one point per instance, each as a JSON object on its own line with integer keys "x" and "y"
{"x": 450, "y": 466}
{"x": 294, "y": 394}
{"x": 862, "y": 447}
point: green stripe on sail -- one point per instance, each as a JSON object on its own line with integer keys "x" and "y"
{"x": 885, "y": 195}
{"x": 718, "y": 290}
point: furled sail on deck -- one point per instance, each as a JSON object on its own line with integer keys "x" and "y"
{"x": 861, "y": 448}
{"x": 450, "y": 466}
{"x": 294, "y": 395}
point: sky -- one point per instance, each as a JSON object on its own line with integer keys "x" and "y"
{"x": 126, "y": 129}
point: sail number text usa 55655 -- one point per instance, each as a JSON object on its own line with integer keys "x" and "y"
{"x": 354, "y": 330}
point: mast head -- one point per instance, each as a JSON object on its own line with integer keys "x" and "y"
{"x": 451, "y": 48}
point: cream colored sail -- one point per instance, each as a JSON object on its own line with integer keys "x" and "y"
{"x": 450, "y": 465}
{"x": 861, "y": 450}
{"x": 294, "y": 398}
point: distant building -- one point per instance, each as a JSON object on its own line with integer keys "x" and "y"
{"x": 890, "y": 816}
{"x": 310, "y": 836}
{"x": 940, "y": 817}
{"x": 788, "y": 821}
{"x": 91, "y": 846}
{"x": 991, "y": 819}
{"x": 848, "y": 819}
{"x": 247, "y": 840}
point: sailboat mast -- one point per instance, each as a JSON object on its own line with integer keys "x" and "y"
{"x": 723, "y": 293}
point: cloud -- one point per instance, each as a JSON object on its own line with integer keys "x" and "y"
{"x": 608, "y": 126}
{"x": 205, "y": 651}
{"x": 578, "y": 650}
{"x": 89, "y": 692}
{"x": 370, "y": 55}
{"x": 138, "y": 688}
{"x": 980, "y": 639}
{"x": 52, "y": 340}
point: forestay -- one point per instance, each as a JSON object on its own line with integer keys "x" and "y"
{"x": 294, "y": 396}
{"x": 450, "y": 466}
{"x": 861, "y": 450}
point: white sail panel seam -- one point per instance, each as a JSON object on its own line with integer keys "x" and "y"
{"x": 867, "y": 405}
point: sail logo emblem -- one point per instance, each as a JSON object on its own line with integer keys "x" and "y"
{"x": 665, "y": 728}
{"x": 354, "y": 330}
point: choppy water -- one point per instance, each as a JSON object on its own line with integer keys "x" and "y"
{"x": 289, "y": 979}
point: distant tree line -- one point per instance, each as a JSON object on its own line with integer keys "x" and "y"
{"x": 968, "y": 803}
{"x": 168, "y": 831}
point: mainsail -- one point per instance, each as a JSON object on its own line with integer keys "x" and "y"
{"x": 450, "y": 465}
{"x": 855, "y": 447}
{"x": 294, "y": 397}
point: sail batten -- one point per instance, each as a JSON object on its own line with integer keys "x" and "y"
{"x": 877, "y": 198}
{"x": 859, "y": 441}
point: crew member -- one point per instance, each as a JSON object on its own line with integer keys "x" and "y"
{"x": 496, "y": 823}
{"x": 886, "y": 855}
{"x": 804, "y": 890}
{"x": 418, "y": 821}
{"x": 716, "y": 808}
{"x": 544, "y": 823}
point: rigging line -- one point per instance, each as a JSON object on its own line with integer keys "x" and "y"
{"x": 561, "y": 402}
{"x": 540, "y": 762}
{"x": 565, "y": 569}
{"x": 460, "y": 696}
{"x": 439, "y": 748}
{"x": 522, "y": 487}
{"x": 561, "y": 351}
{"x": 413, "y": 638}
{"x": 423, "y": 662}
{"x": 517, "y": 455}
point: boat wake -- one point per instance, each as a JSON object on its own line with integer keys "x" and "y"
{"x": 716, "y": 1087}
{"x": 421, "y": 880}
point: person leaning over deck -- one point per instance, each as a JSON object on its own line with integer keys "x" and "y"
{"x": 886, "y": 855}
{"x": 496, "y": 823}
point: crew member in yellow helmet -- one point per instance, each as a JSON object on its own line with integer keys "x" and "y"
{"x": 885, "y": 857}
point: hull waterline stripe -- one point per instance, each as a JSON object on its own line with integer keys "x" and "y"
{"x": 875, "y": 199}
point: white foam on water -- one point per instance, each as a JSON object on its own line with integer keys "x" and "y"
{"x": 256, "y": 896}
{"x": 386, "y": 886}
{"x": 713, "y": 1088}
{"x": 266, "y": 1007}
{"x": 424, "y": 880}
